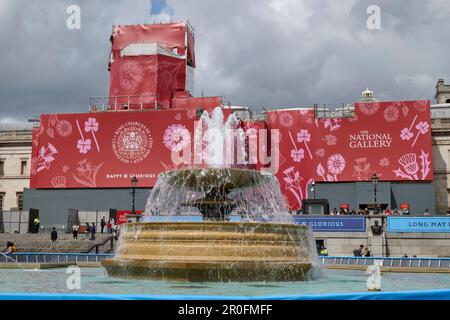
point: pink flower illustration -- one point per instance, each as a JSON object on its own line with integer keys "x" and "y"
{"x": 303, "y": 136}
{"x": 330, "y": 139}
{"x": 191, "y": 113}
{"x": 176, "y": 137}
{"x": 286, "y": 119}
{"x": 59, "y": 182}
{"x": 384, "y": 162}
{"x": 361, "y": 170}
{"x": 91, "y": 125}
{"x": 292, "y": 180}
{"x": 45, "y": 157}
{"x": 288, "y": 170}
{"x": 331, "y": 124}
{"x": 84, "y": 145}
{"x": 297, "y": 155}
{"x": 336, "y": 164}
{"x": 420, "y": 106}
{"x": 320, "y": 152}
{"x": 87, "y": 173}
{"x": 64, "y": 128}
{"x": 406, "y": 134}
{"x": 131, "y": 75}
{"x": 369, "y": 108}
{"x": 391, "y": 114}
{"x": 411, "y": 167}
{"x": 423, "y": 127}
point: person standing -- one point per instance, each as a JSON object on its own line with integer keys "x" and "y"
{"x": 87, "y": 230}
{"x": 53, "y": 237}
{"x": 75, "y": 231}
{"x": 93, "y": 231}
{"x": 108, "y": 227}
{"x": 37, "y": 223}
{"x": 102, "y": 225}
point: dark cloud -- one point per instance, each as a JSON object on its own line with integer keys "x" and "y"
{"x": 258, "y": 53}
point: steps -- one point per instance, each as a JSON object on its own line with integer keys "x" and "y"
{"x": 42, "y": 243}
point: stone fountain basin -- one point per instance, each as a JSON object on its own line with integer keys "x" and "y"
{"x": 213, "y": 251}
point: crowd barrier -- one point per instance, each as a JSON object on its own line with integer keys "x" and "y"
{"x": 389, "y": 261}
{"x": 51, "y": 257}
{"x": 47, "y": 257}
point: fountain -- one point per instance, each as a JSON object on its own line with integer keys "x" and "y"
{"x": 264, "y": 246}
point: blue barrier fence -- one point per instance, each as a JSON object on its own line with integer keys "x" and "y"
{"x": 47, "y": 257}
{"x": 389, "y": 261}
{"x": 52, "y": 257}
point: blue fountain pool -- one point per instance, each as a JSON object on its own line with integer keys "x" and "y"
{"x": 95, "y": 281}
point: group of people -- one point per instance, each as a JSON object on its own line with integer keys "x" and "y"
{"x": 387, "y": 211}
{"x": 90, "y": 230}
{"x": 362, "y": 251}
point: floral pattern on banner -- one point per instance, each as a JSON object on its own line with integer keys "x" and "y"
{"x": 131, "y": 75}
{"x": 45, "y": 157}
{"x": 292, "y": 181}
{"x": 381, "y": 133}
{"x": 87, "y": 173}
{"x": 361, "y": 170}
{"x": 62, "y": 127}
{"x": 369, "y": 108}
{"x": 84, "y": 145}
{"x": 411, "y": 168}
{"x": 176, "y": 137}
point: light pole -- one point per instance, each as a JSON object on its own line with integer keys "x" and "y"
{"x": 313, "y": 189}
{"x": 134, "y": 182}
{"x": 375, "y": 180}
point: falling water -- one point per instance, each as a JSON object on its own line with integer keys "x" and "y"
{"x": 221, "y": 189}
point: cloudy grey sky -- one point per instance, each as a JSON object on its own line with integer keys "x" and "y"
{"x": 272, "y": 53}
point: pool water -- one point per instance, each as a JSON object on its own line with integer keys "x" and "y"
{"x": 95, "y": 281}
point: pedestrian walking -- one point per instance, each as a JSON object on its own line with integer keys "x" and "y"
{"x": 87, "y": 230}
{"x": 102, "y": 225}
{"x": 53, "y": 237}
{"x": 93, "y": 231}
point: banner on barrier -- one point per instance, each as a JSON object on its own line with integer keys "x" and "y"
{"x": 418, "y": 224}
{"x": 333, "y": 224}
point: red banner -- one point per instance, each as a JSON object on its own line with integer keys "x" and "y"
{"x": 121, "y": 215}
{"x": 392, "y": 139}
{"x": 105, "y": 150}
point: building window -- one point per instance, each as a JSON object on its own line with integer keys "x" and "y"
{"x": 23, "y": 167}
{"x": 2, "y": 168}
{"x": 19, "y": 200}
{"x": 2, "y": 197}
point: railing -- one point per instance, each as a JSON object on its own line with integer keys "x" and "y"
{"x": 400, "y": 262}
{"x": 131, "y": 102}
{"x": 47, "y": 257}
{"x": 329, "y": 111}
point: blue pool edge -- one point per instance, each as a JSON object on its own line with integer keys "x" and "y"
{"x": 388, "y": 295}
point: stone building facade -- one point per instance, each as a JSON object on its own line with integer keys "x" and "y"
{"x": 440, "y": 125}
{"x": 15, "y": 159}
